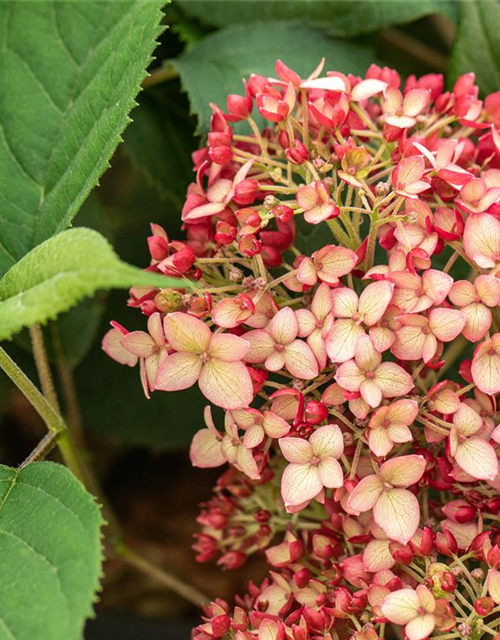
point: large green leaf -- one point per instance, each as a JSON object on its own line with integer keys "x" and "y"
{"x": 54, "y": 276}
{"x": 69, "y": 72}
{"x": 338, "y": 17}
{"x": 215, "y": 66}
{"x": 50, "y": 553}
{"x": 477, "y": 45}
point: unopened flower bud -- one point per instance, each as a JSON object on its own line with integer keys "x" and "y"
{"x": 382, "y": 189}
{"x": 168, "y": 300}
{"x": 270, "y": 201}
{"x": 478, "y": 574}
{"x": 235, "y": 274}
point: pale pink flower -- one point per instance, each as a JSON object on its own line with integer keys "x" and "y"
{"x": 412, "y": 608}
{"x": 383, "y": 334}
{"x": 112, "y": 346}
{"x": 370, "y": 376}
{"x": 419, "y": 336}
{"x": 444, "y": 160}
{"x": 401, "y": 112}
{"x": 276, "y": 108}
{"x": 265, "y": 309}
{"x": 277, "y": 347}
{"x": 414, "y": 293}
{"x": 476, "y": 197}
{"x": 395, "y": 509}
{"x": 210, "y": 448}
{"x": 231, "y": 312}
{"x": 218, "y": 195}
{"x": 316, "y": 202}
{"x": 414, "y": 233}
{"x": 475, "y": 298}
{"x": 212, "y": 360}
{"x": 486, "y": 366}
{"x": 316, "y": 324}
{"x": 257, "y": 425}
{"x": 351, "y": 313}
{"x": 407, "y": 177}
{"x": 482, "y": 240}
{"x": 471, "y": 452}
{"x": 389, "y": 426}
{"x": 313, "y": 465}
{"x": 151, "y": 349}
{"x": 328, "y": 264}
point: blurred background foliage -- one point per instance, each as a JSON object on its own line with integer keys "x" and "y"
{"x": 203, "y": 55}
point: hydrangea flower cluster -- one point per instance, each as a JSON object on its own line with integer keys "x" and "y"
{"x": 345, "y": 245}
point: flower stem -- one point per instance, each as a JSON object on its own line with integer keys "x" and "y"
{"x": 171, "y": 582}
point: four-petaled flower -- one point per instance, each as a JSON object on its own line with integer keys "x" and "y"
{"x": 351, "y": 313}
{"x": 313, "y": 466}
{"x": 315, "y": 200}
{"x": 214, "y": 360}
{"x": 371, "y": 377}
{"x": 472, "y": 452}
{"x": 390, "y": 425}
{"x": 395, "y": 509}
{"x": 413, "y": 608}
{"x": 277, "y": 346}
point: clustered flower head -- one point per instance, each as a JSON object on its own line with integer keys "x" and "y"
{"x": 338, "y": 299}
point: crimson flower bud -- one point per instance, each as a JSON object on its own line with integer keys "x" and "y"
{"x": 245, "y": 192}
{"x": 316, "y": 412}
{"x": 302, "y": 577}
{"x": 220, "y": 625}
{"x": 225, "y": 232}
{"x": 282, "y": 212}
{"x": 221, "y": 155}
{"x": 400, "y": 553}
{"x": 446, "y": 543}
{"x": 238, "y": 107}
{"x": 297, "y": 153}
{"x": 480, "y": 545}
{"x": 284, "y": 139}
{"x": 448, "y": 582}
{"x": 232, "y": 560}
{"x": 250, "y": 246}
{"x": 484, "y": 606}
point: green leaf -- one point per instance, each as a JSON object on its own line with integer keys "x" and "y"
{"x": 72, "y": 70}
{"x": 54, "y": 276}
{"x": 477, "y": 45}
{"x": 159, "y": 142}
{"x": 215, "y": 66}
{"x": 50, "y": 553}
{"x": 339, "y": 17}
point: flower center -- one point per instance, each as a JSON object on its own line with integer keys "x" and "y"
{"x": 278, "y": 347}
{"x": 204, "y": 357}
{"x": 315, "y": 461}
{"x": 370, "y": 375}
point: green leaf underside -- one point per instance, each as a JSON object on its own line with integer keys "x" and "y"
{"x": 50, "y": 553}
{"x": 215, "y": 66}
{"x": 477, "y": 45}
{"x": 72, "y": 70}
{"x": 338, "y": 17}
{"x": 58, "y": 273}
